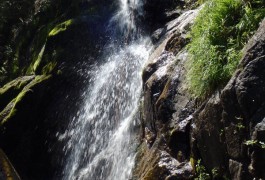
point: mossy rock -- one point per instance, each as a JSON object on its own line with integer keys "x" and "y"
{"x": 70, "y": 44}
{"x": 11, "y": 89}
{"x": 21, "y": 104}
{"x": 61, "y": 27}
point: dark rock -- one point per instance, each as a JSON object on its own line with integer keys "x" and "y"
{"x": 157, "y": 164}
{"x": 154, "y": 87}
{"x": 208, "y": 131}
{"x": 166, "y": 83}
{"x": 179, "y": 144}
{"x": 257, "y": 152}
{"x": 159, "y": 12}
{"x": 7, "y": 171}
{"x": 167, "y": 107}
{"x": 152, "y": 67}
{"x": 176, "y": 43}
{"x": 176, "y": 30}
{"x": 149, "y": 137}
{"x": 255, "y": 47}
{"x": 230, "y": 126}
{"x": 175, "y": 169}
{"x": 235, "y": 169}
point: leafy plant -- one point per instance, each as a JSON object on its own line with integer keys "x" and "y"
{"x": 201, "y": 172}
{"x": 255, "y": 143}
{"x": 218, "y": 35}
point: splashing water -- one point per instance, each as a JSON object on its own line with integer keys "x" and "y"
{"x": 126, "y": 18}
{"x": 101, "y": 141}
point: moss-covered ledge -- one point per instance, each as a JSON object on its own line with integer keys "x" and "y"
{"x": 20, "y": 103}
{"x": 11, "y": 89}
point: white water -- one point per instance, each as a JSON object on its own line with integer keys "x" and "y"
{"x": 100, "y": 139}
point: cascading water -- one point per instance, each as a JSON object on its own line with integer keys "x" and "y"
{"x": 100, "y": 139}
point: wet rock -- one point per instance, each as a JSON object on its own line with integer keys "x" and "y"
{"x": 183, "y": 23}
{"x": 175, "y": 28}
{"x": 147, "y": 162}
{"x": 153, "y": 66}
{"x": 149, "y": 137}
{"x": 154, "y": 87}
{"x": 157, "y": 164}
{"x": 167, "y": 107}
{"x": 175, "y": 169}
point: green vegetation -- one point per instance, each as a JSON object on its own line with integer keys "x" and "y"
{"x": 49, "y": 68}
{"x": 11, "y": 90}
{"x": 37, "y": 62}
{"x": 61, "y": 27}
{"x": 201, "y": 172}
{"x": 218, "y": 35}
{"x": 20, "y": 100}
{"x": 255, "y": 143}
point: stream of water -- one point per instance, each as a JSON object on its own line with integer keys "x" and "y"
{"x": 101, "y": 141}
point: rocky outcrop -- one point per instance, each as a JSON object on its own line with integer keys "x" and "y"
{"x": 228, "y": 125}
{"x": 167, "y": 107}
{"x": 221, "y": 137}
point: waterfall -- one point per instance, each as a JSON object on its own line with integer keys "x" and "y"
{"x": 101, "y": 142}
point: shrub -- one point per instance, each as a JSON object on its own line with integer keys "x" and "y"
{"x": 218, "y": 35}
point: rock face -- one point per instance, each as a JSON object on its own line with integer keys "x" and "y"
{"x": 167, "y": 107}
{"x": 228, "y": 125}
{"x": 225, "y": 132}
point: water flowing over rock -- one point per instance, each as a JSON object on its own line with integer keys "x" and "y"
{"x": 101, "y": 138}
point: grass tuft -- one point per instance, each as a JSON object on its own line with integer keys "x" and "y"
{"x": 218, "y": 36}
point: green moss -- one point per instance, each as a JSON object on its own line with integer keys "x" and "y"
{"x": 11, "y": 110}
{"x": 17, "y": 100}
{"x": 11, "y": 90}
{"x": 37, "y": 62}
{"x": 61, "y": 27}
{"x": 37, "y": 48}
{"x": 218, "y": 35}
{"x": 193, "y": 163}
{"x": 49, "y": 68}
